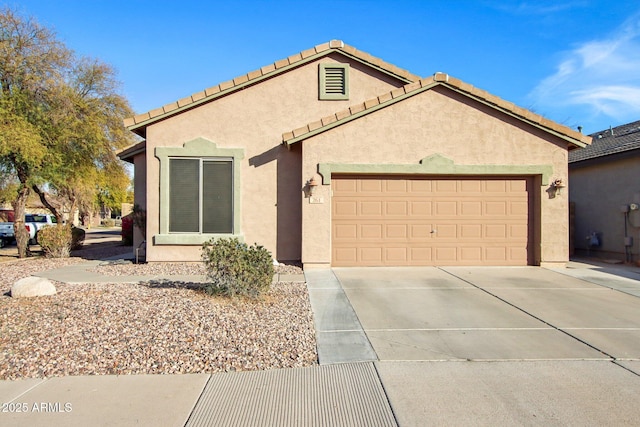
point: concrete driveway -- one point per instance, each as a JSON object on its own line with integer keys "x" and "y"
{"x": 459, "y": 313}
{"x": 489, "y": 346}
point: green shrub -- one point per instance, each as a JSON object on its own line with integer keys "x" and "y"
{"x": 77, "y": 237}
{"x": 236, "y": 269}
{"x": 55, "y": 241}
{"x": 108, "y": 222}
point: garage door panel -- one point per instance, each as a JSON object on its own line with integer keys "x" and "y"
{"x": 345, "y": 231}
{"x": 398, "y": 186}
{"x": 371, "y": 255}
{"x": 430, "y": 221}
{"x": 470, "y": 186}
{"x": 345, "y": 186}
{"x": 420, "y": 187}
{"x": 495, "y": 231}
{"x": 371, "y": 186}
{"x": 372, "y": 208}
{"x": 371, "y": 231}
{"x": 345, "y": 208}
{"x": 496, "y": 186}
{"x": 445, "y": 186}
{"x": 396, "y": 256}
{"x": 420, "y": 232}
{"x": 445, "y": 208}
{"x": 397, "y": 208}
{"x": 420, "y": 256}
{"x": 519, "y": 231}
{"x": 471, "y": 231}
{"x": 472, "y": 208}
{"x": 420, "y": 209}
{"x": 496, "y": 254}
{"x": 495, "y": 208}
{"x": 519, "y": 208}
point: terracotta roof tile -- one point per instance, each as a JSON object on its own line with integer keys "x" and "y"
{"x": 322, "y": 47}
{"x": 281, "y": 63}
{"x": 301, "y": 131}
{"x": 268, "y": 69}
{"x": 254, "y": 74}
{"x": 185, "y": 101}
{"x": 295, "y": 58}
{"x": 198, "y": 96}
{"x": 155, "y": 113}
{"x": 239, "y": 80}
{"x": 412, "y": 86}
{"x": 371, "y": 103}
{"x": 170, "y": 107}
{"x": 397, "y": 92}
{"x": 226, "y": 85}
{"x": 141, "y": 117}
{"x": 342, "y": 114}
{"x": 329, "y": 119}
{"x": 307, "y": 53}
{"x": 385, "y": 97}
{"x": 212, "y": 90}
{"x": 456, "y": 84}
{"x": 288, "y": 135}
{"x": 315, "y": 125}
{"x": 355, "y": 109}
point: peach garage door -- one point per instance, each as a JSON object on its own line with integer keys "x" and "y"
{"x": 396, "y": 221}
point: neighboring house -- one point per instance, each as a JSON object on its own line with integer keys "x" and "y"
{"x": 337, "y": 158}
{"x": 604, "y": 186}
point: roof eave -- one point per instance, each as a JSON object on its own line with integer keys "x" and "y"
{"x": 129, "y": 153}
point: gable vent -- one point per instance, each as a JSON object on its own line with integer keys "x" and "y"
{"x": 334, "y": 81}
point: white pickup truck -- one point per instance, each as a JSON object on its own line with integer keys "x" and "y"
{"x": 32, "y": 222}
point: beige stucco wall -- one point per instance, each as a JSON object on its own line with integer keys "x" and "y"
{"x": 442, "y": 122}
{"x": 598, "y": 190}
{"x": 254, "y": 119}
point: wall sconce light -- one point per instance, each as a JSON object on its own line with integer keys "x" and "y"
{"x": 558, "y": 185}
{"x": 313, "y": 185}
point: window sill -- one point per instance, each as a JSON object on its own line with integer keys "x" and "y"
{"x": 190, "y": 239}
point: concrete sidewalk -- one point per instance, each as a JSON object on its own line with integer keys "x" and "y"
{"x": 408, "y": 347}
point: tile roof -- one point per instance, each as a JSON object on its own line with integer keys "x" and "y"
{"x": 609, "y": 141}
{"x": 411, "y": 89}
{"x": 139, "y": 122}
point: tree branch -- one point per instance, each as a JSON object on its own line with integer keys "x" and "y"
{"x": 43, "y": 199}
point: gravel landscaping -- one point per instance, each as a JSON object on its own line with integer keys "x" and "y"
{"x": 148, "y": 328}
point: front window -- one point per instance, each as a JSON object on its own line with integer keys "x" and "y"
{"x": 201, "y": 195}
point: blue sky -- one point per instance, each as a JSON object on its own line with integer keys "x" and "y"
{"x": 575, "y": 62}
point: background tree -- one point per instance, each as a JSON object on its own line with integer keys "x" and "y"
{"x": 60, "y": 120}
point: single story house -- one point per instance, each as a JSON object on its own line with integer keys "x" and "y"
{"x": 604, "y": 189}
{"x": 337, "y": 158}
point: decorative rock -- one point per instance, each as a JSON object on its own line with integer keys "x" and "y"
{"x": 32, "y": 286}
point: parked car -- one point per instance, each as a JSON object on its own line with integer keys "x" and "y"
{"x": 32, "y": 222}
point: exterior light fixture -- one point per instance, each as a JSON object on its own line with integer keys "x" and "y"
{"x": 558, "y": 185}
{"x": 312, "y": 184}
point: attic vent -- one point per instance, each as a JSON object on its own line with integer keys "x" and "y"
{"x": 334, "y": 81}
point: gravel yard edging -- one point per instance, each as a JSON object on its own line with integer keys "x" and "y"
{"x": 163, "y": 327}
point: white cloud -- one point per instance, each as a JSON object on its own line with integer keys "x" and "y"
{"x": 598, "y": 80}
